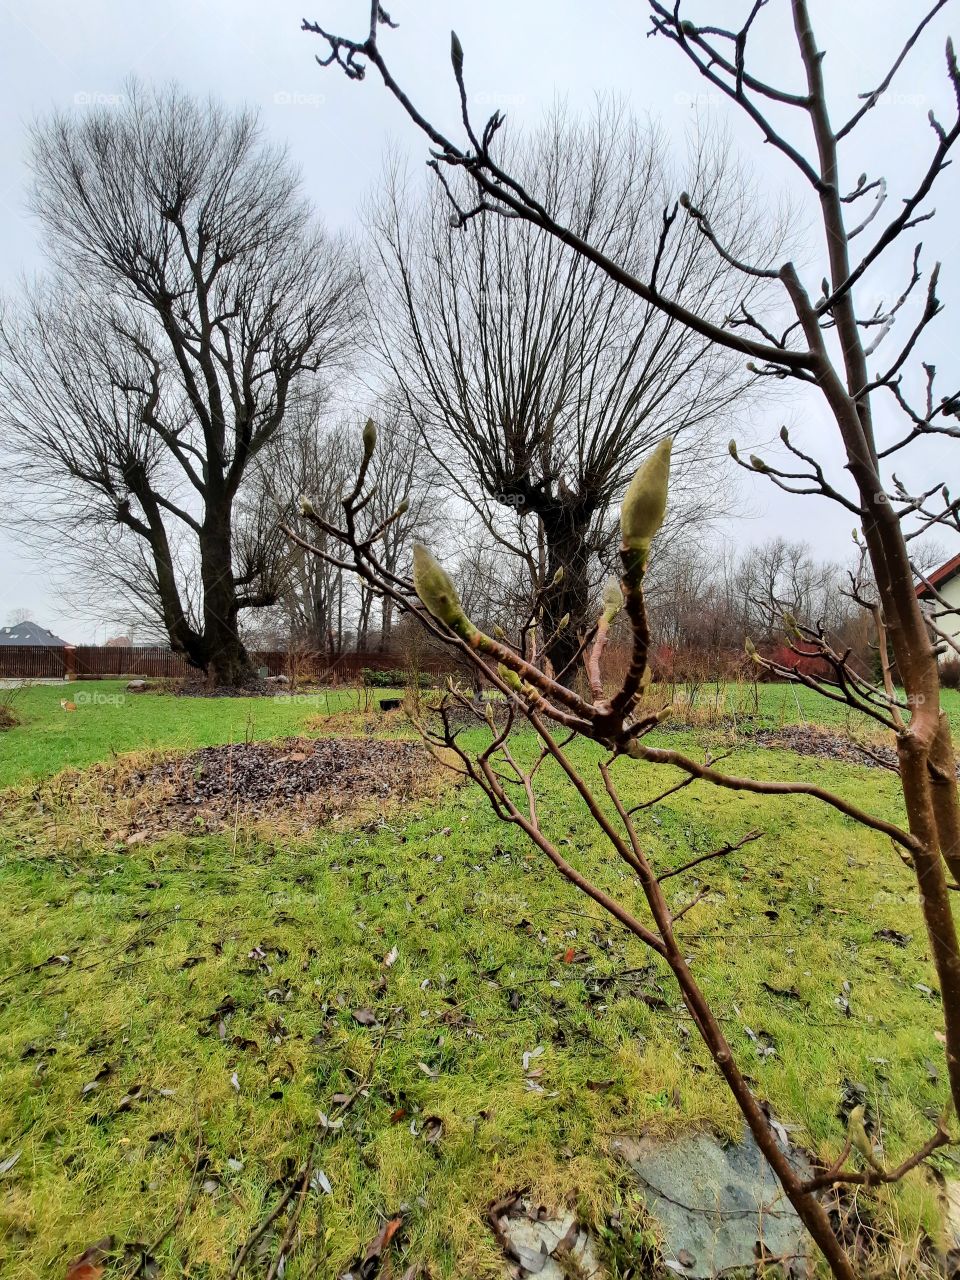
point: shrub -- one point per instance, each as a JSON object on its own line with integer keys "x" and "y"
{"x": 950, "y": 673}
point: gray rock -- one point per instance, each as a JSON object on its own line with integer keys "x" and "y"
{"x": 714, "y": 1202}
{"x": 553, "y": 1248}
{"x": 137, "y": 686}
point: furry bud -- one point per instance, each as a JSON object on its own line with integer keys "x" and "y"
{"x": 612, "y": 599}
{"x": 564, "y": 622}
{"x": 758, "y": 464}
{"x": 557, "y": 577}
{"x": 645, "y": 503}
{"x": 435, "y": 588}
{"x": 732, "y": 450}
{"x": 456, "y": 54}
{"x": 306, "y": 507}
{"x": 369, "y": 438}
{"x": 509, "y": 678}
{"x": 403, "y": 508}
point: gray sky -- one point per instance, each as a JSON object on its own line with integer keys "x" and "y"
{"x": 521, "y": 55}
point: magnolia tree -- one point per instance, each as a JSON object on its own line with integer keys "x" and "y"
{"x": 620, "y": 720}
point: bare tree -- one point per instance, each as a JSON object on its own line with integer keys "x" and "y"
{"x": 827, "y": 345}
{"x": 195, "y": 292}
{"x": 538, "y": 384}
{"x": 315, "y": 458}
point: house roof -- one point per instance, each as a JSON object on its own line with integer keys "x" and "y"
{"x": 949, "y": 569}
{"x": 30, "y": 633}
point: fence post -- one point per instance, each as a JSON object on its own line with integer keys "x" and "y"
{"x": 69, "y": 662}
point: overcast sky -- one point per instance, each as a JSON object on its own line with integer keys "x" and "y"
{"x": 521, "y": 55}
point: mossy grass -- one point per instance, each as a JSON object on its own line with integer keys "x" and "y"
{"x": 212, "y": 982}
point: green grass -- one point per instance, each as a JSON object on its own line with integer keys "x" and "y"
{"x": 109, "y": 721}
{"x": 123, "y": 963}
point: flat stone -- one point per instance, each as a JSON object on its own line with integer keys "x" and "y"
{"x": 534, "y": 1241}
{"x": 716, "y": 1202}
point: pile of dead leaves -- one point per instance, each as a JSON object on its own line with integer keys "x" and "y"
{"x": 316, "y": 780}
{"x": 828, "y": 744}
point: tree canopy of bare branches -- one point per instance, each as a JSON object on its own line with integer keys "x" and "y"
{"x": 537, "y": 383}
{"x": 190, "y": 294}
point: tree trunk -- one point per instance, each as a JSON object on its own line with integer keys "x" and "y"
{"x": 565, "y": 535}
{"x": 227, "y": 663}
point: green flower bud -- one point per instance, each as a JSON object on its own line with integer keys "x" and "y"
{"x": 557, "y": 577}
{"x": 403, "y": 508}
{"x": 509, "y": 678}
{"x": 758, "y": 464}
{"x": 499, "y": 632}
{"x": 306, "y": 507}
{"x": 645, "y": 503}
{"x": 456, "y": 54}
{"x": 732, "y": 450}
{"x": 564, "y": 622}
{"x": 612, "y": 599}
{"x": 369, "y": 438}
{"x": 784, "y": 435}
{"x": 435, "y": 588}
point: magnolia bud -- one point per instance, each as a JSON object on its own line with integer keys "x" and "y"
{"x": 612, "y": 599}
{"x": 684, "y": 200}
{"x": 732, "y": 450}
{"x": 758, "y": 464}
{"x": 509, "y": 678}
{"x": 645, "y": 503}
{"x": 456, "y": 54}
{"x": 403, "y": 508}
{"x": 307, "y": 507}
{"x": 499, "y": 632}
{"x": 369, "y": 438}
{"x": 784, "y": 435}
{"x": 435, "y": 588}
{"x": 557, "y": 577}
{"x": 564, "y": 622}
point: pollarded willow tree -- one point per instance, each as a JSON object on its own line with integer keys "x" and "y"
{"x": 537, "y": 383}
{"x": 194, "y": 294}
{"x": 850, "y": 358}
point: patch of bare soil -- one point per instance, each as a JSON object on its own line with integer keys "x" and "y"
{"x": 313, "y": 781}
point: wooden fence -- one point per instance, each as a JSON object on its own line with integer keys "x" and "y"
{"x": 96, "y": 662}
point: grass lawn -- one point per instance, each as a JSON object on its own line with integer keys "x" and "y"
{"x": 176, "y": 1016}
{"x": 109, "y": 721}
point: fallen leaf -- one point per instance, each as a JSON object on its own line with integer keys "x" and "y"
{"x": 432, "y": 1129}
{"x": 365, "y": 1017}
{"x": 90, "y": 1264}
{"x": 7, "y": 1165}
{"x": 390, "y": 958}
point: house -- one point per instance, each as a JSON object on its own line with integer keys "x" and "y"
{"x": 940, "y": 594}
{"x": 29, "y": 633}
